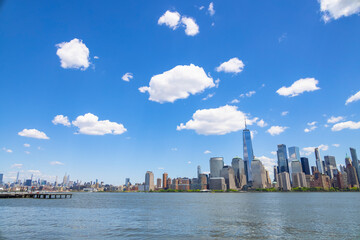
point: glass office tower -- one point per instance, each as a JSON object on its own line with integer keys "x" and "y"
{"x": 248, "y": 153}
{"x": 282, "y": 158}
{"x": 319, "y": 163}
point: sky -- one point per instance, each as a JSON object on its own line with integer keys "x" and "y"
{"x": 111, "y": 90}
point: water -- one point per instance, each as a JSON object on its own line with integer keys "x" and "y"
{"x": 183, "y": 216}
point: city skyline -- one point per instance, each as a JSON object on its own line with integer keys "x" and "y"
{"x": 83, "y": 93}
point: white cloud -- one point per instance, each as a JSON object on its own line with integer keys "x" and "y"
{"x": 56, "y": 163}
{"x": 73, "y": 54}
{"x": 217, "y": 83}
{"x": 234, "y": 65}
{"x": 26, "y": 145}
{"x": 253, "y": 133}
{"x": 235, "y": 101}
{"x": 7, "y": 150}
{"x": 310, "y": 150}
{"x": 33, "y": 133}
{"x": 127, "y": 77}
{"x": 298, "y": 87}
{"x": 211, "y": 9}
{"x": 89, "y": 124}
{"x": 312, "y": 126}
{"x": 335, "y": 9}
{"x": 274, "y": 153}
{"x": 353, "y": 98}
{"x": 207, "y": 152}
{"x": 336, "y": 145}
{"x": 96, "y": 57}
{"x": 248, "y": 94}
{"x": 333, "y": 119}
{"x": 201, "y": 7}
{"x": 217, "y": 121}
{"x": 210, "y": 95}
{"x": 191, "y": 28}
{"x": 61, "y": 119}
{"x": 276, "y": 130}
{"x": 17, "y": 165}
{"x": 178, "y": 83}
{"x": 261, "y": 123}
{"x": 170, "y": 19}
{"x": 284, "y": 113}
{"x": 343, "y": 125}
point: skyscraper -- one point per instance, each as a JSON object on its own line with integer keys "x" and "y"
{"x": 355, "y": 161}
{"x": 248, "y": 153}
{"x": 165, "y": 185}
{"x": 158, "y": 183}
{"x": 282, "y": 158}
{"x": 127, "y": 182}
{"x": 239, "y": 171}
{"x": 294, "y": 153}
{"x": 1, "y": 178}
{"x": 305, "y": 165}
{"x": 216, "y": 164}
{"x": 149, "y": 181}
{"x": 258, "y": 174}
{"x": 198, "y": 171}
{"x": 228, "y": 174}
{"x": 319, "y": 163}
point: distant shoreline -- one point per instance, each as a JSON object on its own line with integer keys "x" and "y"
{"x": 265, "y": 190}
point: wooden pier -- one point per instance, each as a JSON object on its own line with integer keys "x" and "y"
{"x": 36, "y": 195}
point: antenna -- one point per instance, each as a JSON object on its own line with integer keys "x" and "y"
{"x": 245, "y": 122}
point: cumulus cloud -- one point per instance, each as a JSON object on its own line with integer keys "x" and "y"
{"x": 309, "y": 150}
{"x": 276, "y": 130}
{"x": 73, "y": 54}
{"x": 89, "y": 124}
{"x": 56, "y": 163}
{"x": 211, "y": 9}
{"x": 343, "y": 125}
{"x": 17, "y": 165}
{"x": 61, "y": 119}
{"x": 191, "y": 28}
{"x": 284, "y": 113}
{"x": 178, "y": 83}
{"x": 335, "y": 9}
{"x": 333, "y": 119}
{"x": 235, "y": 101}
{"x": 353, "y": 98}
{"x": 217, "y": 121}
{"x": 234, "y": 65}
{"x": 173, "y": 20}
{"x": 312, "y": 127}
{"x": 26, "y": 145}
{"x": 127, "y": 77}
{"x": 170, "y": 19}
{"x": 261, "y": 123}
{"x": 207, "y": 152}
{"x": 7, "y": 150}
{"x": 298, "y": 87}
{"x": 33, "y": 133}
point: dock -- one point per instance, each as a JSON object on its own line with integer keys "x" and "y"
{"x": 36, "y": 195}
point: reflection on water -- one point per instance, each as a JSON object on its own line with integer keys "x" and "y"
{"x": 183, "y": 216}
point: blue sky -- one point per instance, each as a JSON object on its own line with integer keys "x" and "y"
{"x": 62, "y": 58}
